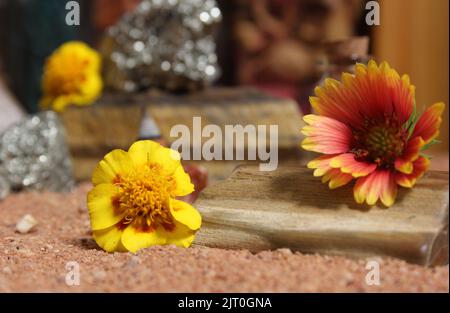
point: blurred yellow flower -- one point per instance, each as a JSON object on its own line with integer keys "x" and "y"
{"x": 71, "y": 76}
{"x": 133, "y": 203}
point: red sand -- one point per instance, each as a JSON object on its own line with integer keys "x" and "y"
{"x": 36, "y": 261}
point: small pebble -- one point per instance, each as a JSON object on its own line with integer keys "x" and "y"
{"x": 26, "y": 224}
{"x": 285, "y": 251}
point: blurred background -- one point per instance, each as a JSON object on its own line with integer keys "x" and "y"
{"x": 277, "y": 46}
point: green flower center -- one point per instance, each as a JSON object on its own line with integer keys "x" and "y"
{"x": 379, "y": 142}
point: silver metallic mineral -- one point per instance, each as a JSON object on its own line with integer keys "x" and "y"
{"x": 34, "y": 155}
{"x": 4, "y": 187}
{"x": 167, "y": 44}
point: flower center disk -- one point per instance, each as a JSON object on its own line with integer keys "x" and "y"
{"x": 380, "y": 143}
{"x": 144, "y": 198}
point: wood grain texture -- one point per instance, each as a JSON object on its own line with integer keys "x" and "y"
{"x": 95, "y": 130}
{"x": 229, "y": 106}
{"x": 290, "y": 208}
{"x": 114, "y": 122}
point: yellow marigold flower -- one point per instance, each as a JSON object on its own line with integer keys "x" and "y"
{"x": 71, "y": 76}
{"x": 133, "y": 203}
{"x": 367, "y": 129}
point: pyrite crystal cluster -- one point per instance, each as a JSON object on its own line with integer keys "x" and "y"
{"x": 167, "y": 44}
{"x": 34, "y": 155}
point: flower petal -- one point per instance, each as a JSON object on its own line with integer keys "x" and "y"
{"x": 325, "y": 135}
{"x": 412, "y": 150}
{"x": 117, "y": 162}
{"x": 321, "y": 164}
{"x": 100, "y": 206}
{"x": 373, "y": 92}
{"x": 183, "y": 184}
{"x": 144, "y": 151}
{"x": 135, "y": 239}
{"x": 409, "y": 180}
{"x": 378, "y": 185}
{"x": 109, "y": 239}
{"x": 71, "y": 76}
{"x": 361, "y": 188}
{"x": 185, "y": 214}
{"x": 404, "y": 166}
{"x": 347, "y": 163}
{"x": 181, "y": 235}
{"x": 429, "y": 122}
{"x": 388, "y": 192}
{"x": 404, "y": 163}
{"x": 336, "y": 178}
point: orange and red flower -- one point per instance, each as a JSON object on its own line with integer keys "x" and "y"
{"x": 366, "y": 127}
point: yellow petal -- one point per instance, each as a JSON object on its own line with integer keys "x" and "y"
{"x": 361, "y": 188}
{"x": 109, "y": 239}
{"x": 60, "y": 103}
{"x": 314, "y": 102}
{"x": 308, "y": 130}
{"x": 360, "y": 69}
{"x": 144, "y": 151}
{"x": 389, "y": 194}
{"x": 185, "y": 214}
{"x": 308, "y": 144}
{"x": 168, "y": 158}
{"x": 348, "y": 79}
{"x": 91, "y": 88}
{"x": 340, "y": 180}
{"x": 101, "y": 210}
{"x": 117, "y": 162}
{"x": 181, "y": 235}
{"x": 403, "y": 166}
{"x": 134, "y": 239}
{"x": 320, "y": 171}
{"x": 183, "y": 185}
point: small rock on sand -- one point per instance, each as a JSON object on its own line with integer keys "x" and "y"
{"x": 26, "y": 224}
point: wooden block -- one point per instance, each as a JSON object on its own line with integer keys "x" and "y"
{"x": 97, "y": 129}
{"x": 115, "y": 120}
{"x": 229, "y": 106}
{"x": 289, "y": 208}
